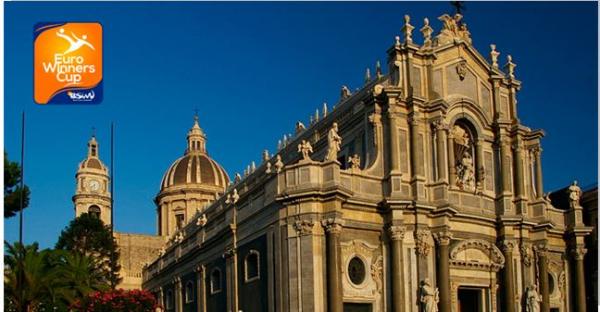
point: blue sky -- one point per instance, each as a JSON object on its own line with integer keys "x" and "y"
{"x": 252, "y": 70}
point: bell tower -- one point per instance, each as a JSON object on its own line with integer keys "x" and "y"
{"x": 92, "y": 193}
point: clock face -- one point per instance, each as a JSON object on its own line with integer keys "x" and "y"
{"x": 94, "y": 185}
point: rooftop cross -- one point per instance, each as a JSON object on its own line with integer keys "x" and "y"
{"x": 459, "y": 6}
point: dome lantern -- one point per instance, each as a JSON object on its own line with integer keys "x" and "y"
{"x": 196, "y": 139}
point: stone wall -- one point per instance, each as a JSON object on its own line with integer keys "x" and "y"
{"x": 135, "y": 251}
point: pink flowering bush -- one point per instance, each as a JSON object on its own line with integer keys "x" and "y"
{"x": 117, "y": 301}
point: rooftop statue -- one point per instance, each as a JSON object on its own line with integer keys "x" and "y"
{"x": 305, "y": 148}
{"x": 574, "y": 195}
{"x": 334, "y": 140}
{"x": 453, "y": 28}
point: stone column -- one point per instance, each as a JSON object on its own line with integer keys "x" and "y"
{"x": 518, "y": 164}
{"x": 161, "y": 297}
{"x": 451, "y": 161}
{"x": 178, "y": 295}
{"x": 580, "y": 300}
{"x": 415, "y": 148}
{"x": 508, "y": 276}
{"x": 543, "y": 276}
{"x": 200, "y": 289}
{"x": 333, "y": 230}
{"x": 504, "y": 158}
{"x": 396, "y": 234}
{"x": 443, "y": 269}
{"x": 480, "y": 173}
{"x": 231, "y": 274}
{"x": 539, "y": 186}
{"x": 394, "y": 142}
{"x": 441, "y": 137}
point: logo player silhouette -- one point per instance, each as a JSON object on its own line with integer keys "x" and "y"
{"x": 75, "y": 44}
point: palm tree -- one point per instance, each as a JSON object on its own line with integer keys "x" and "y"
{"x": 27, "y": 278}
{"x": 47, "y": 280}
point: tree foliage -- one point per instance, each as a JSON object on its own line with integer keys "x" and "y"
{"x": 46, "y": 280}
{"x": 12, "y": 188}
{"x": 87, "y": 235}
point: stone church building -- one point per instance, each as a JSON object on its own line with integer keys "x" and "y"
{"x": 420, "y": 191}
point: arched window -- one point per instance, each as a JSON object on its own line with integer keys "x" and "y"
{"x": 252, "y": 266}
{"x": 179, "y": 220}
{"x": 464, "y": 155}
{"x": 169, "y": 300}
{"x": 94, "y": 211}
{"x": 215, "y": 281}
{"x": 189, "y": 292}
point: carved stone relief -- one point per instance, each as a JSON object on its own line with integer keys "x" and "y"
{"x": 359, "y": 255}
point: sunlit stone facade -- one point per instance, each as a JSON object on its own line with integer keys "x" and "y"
{"x": 433, "y": 201}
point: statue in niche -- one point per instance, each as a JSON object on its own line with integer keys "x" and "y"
{"x": 465, "y": 165}
{"x": 334, "y": 140}
{"x": 466, "y": 172}
{"x": 430, "y": 296}
{"x": 533, "y": 299}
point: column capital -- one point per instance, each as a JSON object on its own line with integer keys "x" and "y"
{"x": 541, "y": 249}
{"x": 507, "y": 245}
{"x": 304, "y": 227}
{"x": 443, "y": 238}
{"x": 199, "y": 268}
{"x": 332, "y": 225}
{"x": 578, "y": 252}
{"x": 229, "y": 252}
{"x": 440, "y": 125}
{"x": 177, "y": 281}
{"x": 396, "y": 232}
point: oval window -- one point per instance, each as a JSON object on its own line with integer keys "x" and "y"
{"x": 356, "y": 270}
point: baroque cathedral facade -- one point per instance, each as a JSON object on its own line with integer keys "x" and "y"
{"x": 420, "y": 191}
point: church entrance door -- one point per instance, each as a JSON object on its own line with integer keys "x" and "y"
{"x": 470, "y": 299}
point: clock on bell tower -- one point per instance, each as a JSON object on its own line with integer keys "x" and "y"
{"x": 92, "y": 194}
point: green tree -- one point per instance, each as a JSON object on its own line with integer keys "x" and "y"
{"x": 87, "y": 235}
{"x": 47, "y": 280}
{"x": 27, "y": 279}
{"x": 12, "y": 188}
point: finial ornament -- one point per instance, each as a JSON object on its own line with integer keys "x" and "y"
{"x": 574, "y": 195}
{"x": 233, "y": 197}
{"x": 397, "y": 41}
{"x": 268, "y": 169}
{"x": 278, "y": 163}
{"x": 299, "y": 127}
{"x": 334, "y": 141}
{"x": 367, "y": 75}
{"x": 305, "y": 148}
{"x": 426, "y": 30}
{"x": 317, "y": 115}
{"x": 345, "y": 93}
{"x": 510, "y": 67}
{"x": 325, "y": 109}
{"x": 407, "y": 29}
{"x": 265, "y": 156}
{"x": 494, "y": 56}
{"x": 378, "y": 72}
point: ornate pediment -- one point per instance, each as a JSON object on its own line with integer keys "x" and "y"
{"x": 476, "y": 253}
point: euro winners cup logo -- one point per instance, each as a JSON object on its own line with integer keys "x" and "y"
{"x": 68, "y": 63}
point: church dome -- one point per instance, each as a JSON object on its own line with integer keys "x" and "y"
{"x": 195, "y": 168}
